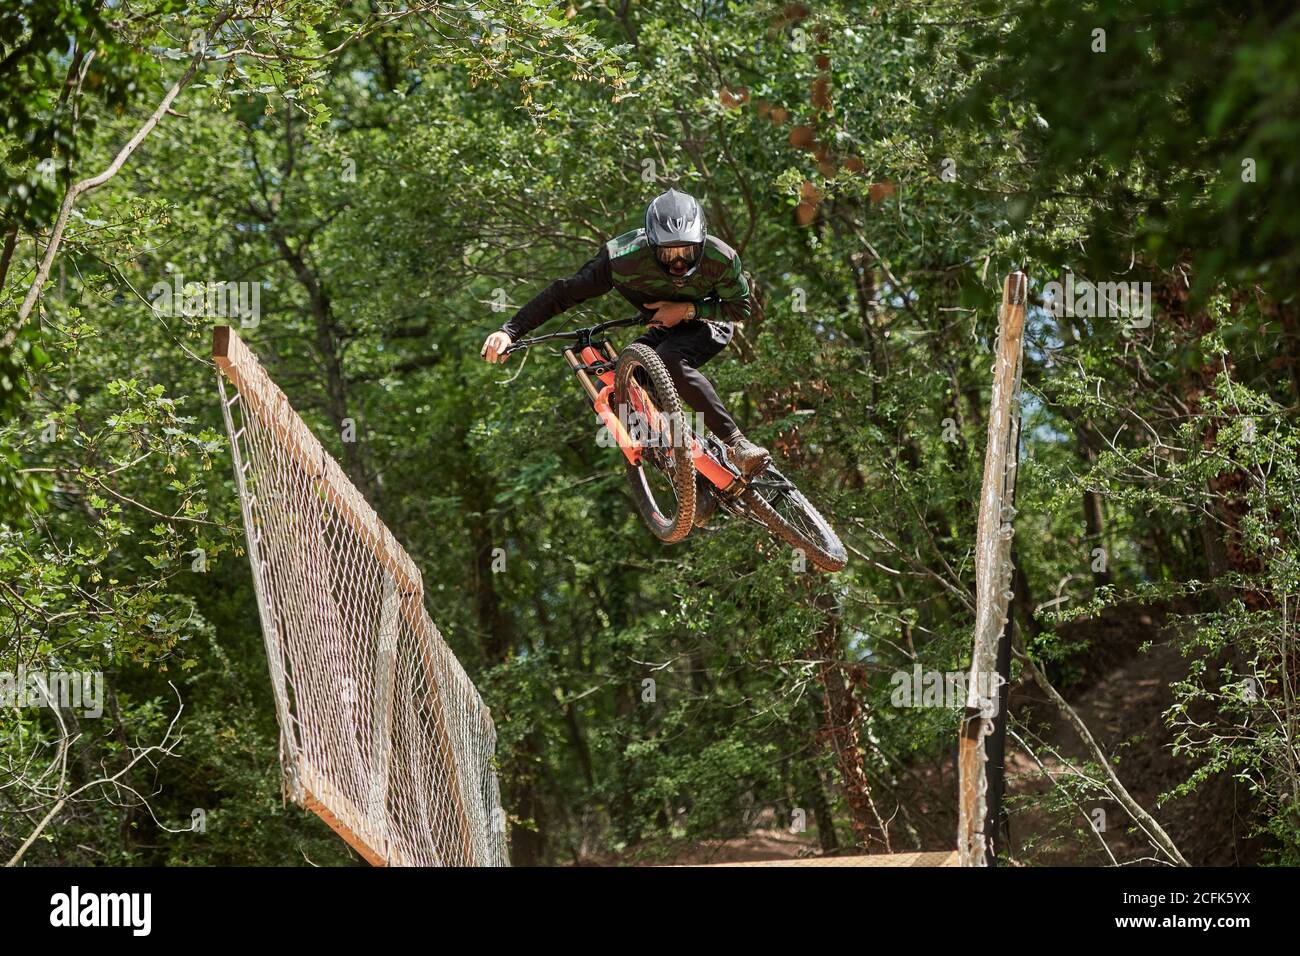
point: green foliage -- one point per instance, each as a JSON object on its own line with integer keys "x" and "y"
{"x": 1173, "y": 124}
{"x": 395, "y": 185}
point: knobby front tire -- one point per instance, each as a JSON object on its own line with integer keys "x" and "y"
{"x": 781, "y": 507}
{"x": 666, "y": 464}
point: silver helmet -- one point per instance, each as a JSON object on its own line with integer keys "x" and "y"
{"x": 675, "y": 229}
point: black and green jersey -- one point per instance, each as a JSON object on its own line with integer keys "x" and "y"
{"x": 627, "y": 263}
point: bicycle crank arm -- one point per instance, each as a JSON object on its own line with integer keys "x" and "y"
{"x": 716, "y": 473}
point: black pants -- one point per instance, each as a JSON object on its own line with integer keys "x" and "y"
{"x": 683, "y": 349}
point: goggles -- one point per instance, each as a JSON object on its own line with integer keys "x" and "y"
{"x": 669, "y": 255}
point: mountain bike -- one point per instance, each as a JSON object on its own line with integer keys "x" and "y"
{"x": 679, "y": 477}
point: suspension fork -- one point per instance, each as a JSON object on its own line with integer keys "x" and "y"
{"x": 583, "y": 378}
{"x": 590, "y": 387}
{"x": 600, "y": 398}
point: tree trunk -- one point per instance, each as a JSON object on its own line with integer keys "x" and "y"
{"x": 842, "y": 731}
{"x": 328, "y": 349}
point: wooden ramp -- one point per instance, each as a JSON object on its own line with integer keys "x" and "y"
{"x": 881, "y": 859}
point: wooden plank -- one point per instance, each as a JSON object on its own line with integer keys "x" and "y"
{"x": 992, "y": 568}
{"x": 259, "y": 393}
{"x": 381, "y": 710}
{"x": 970, "y": 753}
{"x": 942, "y": 858}
{"x": 331, "y": 806}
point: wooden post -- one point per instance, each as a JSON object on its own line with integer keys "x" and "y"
{"x": 992, "y": 574}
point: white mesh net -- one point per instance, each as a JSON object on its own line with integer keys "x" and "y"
{"x": 381, "y": 732}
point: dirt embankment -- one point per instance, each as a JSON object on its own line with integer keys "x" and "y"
{"x": 1120, "y": 684}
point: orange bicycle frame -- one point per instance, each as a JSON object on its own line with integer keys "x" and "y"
{"x": 600, "y": 397}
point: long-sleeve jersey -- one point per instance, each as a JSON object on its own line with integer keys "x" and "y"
{"x": 627, "y": 263}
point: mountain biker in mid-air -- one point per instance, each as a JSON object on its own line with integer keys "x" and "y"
{"x": 687, "y": 283}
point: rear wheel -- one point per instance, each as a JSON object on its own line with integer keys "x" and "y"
{"x": 778, "y": 505}
{"x": 663, "y": 485}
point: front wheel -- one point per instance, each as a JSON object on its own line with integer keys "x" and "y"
{"x": 663, "y": 484}
{"x": 774, "y": 501}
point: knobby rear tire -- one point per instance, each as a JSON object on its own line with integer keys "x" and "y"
{"x": 822, "y": 546}
{"x": 679, "y": 467}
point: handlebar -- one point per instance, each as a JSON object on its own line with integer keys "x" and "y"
{"x": 580, "y": 335}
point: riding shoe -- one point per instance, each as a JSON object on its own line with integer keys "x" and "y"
{"x": 747, "y": 456}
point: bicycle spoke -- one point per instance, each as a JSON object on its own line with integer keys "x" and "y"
{"x": 656, "y": 424}
{"x": 663, "y": 482}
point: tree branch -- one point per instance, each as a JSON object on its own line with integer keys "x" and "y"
{"x": 86, "y": 185}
